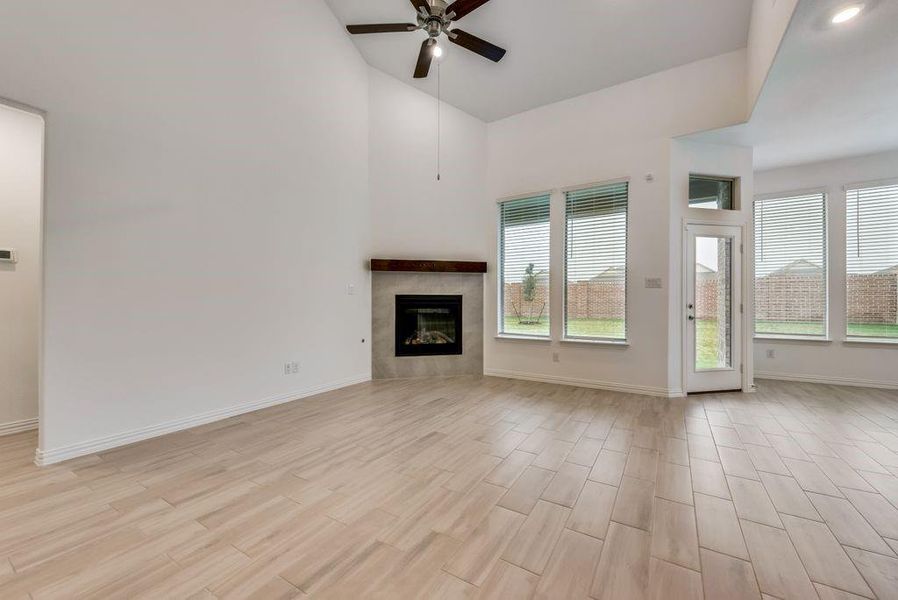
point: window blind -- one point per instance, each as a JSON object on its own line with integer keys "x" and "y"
{"x": 790, "y": 265}
{"x": 524, "y": 266}
{"x": 595, "y": 262}
{"x": 872, "y": 261}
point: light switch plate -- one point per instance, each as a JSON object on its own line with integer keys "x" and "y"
{"x": 653, "y": 283}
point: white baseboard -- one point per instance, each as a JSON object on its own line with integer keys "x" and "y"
{"x": 588, "y": 383}
{"x": 17, "y": 426}
{"x": 849, "y": 381}
{"x": 55, "y": 455}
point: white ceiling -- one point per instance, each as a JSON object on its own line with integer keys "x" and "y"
{"x": 832, "y": 91}
{"x": 556, "y": 50}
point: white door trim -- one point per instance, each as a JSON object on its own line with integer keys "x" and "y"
{"x": 747, "y": 347}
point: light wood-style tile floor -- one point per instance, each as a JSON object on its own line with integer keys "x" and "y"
{"x": 475, "y": 488}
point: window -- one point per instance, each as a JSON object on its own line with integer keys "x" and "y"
{"x": 524, "y": 266}
{"x": 711, "y": 192}
{"x": 595, "y": 263}
{"x": 872, "y": 261}
{"x": 790, "y": 266}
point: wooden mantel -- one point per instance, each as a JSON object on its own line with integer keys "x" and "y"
{"x": 428, "y": 266}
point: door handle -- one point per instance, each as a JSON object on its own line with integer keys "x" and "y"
{"x": 691, "y": 318}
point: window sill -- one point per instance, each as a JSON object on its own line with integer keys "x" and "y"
{"x": 792, "y": 338}
{"x": 619, "y": 343}
{"x": 872, "y": 341}
{"x": 523, "y": 338}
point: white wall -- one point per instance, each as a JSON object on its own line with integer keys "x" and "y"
{"x": 206, "y": 207}
{"x": 414, "y": 215}
{"x": 624, "y": 131}
{"x": 835, "y": 361}
{"x": 21, "y": 161}
{"x": 770, "y": 20}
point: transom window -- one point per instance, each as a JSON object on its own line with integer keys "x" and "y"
{"x": 711, "y": 192}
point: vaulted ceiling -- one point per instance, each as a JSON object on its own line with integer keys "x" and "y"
{"x": 556, "y": 50}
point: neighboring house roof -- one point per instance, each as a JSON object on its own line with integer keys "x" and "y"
{"x": 893, "y": 270}
{"x": 610, "y": 274}
{"x": 798, "y": 267}
{"x": 700, "y": 268}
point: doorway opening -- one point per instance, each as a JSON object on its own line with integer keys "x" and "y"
{"x": 21, "y": 268}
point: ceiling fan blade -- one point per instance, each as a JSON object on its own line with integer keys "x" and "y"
{"x": 421, "y": 5}
{"x": 425, "y": 58}
{"x": 381, "y": 28}
{"x": 460, "y": 8}
{"x": 475, "y": 44}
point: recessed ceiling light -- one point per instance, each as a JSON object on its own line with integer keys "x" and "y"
{"x": 847, "y": 13}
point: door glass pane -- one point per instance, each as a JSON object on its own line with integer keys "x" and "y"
{"x": 713, "y": 302}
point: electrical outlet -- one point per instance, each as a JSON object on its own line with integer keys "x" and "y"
{"x": 556, "y": 357}
{"x": 653, "y": 283}
{"x": 350, "y": 289}
{"x": 291, "y": 368}
{"x": 771, "y": 353}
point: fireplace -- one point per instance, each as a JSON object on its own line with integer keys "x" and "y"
{"x": 428, "y": 325}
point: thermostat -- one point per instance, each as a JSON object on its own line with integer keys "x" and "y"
{"x": 7, "y": 255}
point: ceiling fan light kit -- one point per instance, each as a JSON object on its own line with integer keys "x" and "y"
{"x": 435, "y": 18}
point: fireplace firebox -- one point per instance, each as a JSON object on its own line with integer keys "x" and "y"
{"x": 428, "y": 325}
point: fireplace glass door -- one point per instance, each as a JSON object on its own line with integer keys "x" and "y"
{"x": 428, "y": 325}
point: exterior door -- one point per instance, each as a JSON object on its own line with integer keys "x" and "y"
{"x": 713, "y": 311}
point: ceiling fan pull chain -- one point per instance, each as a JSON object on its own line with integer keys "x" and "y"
{"x": 439, "y": 110}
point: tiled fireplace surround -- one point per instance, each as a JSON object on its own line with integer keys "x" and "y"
{"x": 427, "y": 278}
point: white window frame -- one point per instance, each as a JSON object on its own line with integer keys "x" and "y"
{"x": 825, "y": 337}
{"x": 564, "y": 256}
{"x": 500, "y": 277}
{"x": 850, "y": 339}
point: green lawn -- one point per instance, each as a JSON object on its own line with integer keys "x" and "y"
{"x": 706, "y": 330}
{"x": 799, "y": 328}
{"x": 614, "y": 329}
{"x": 604, "y": 328}
{"x": 513, "y": 327}
{"x": 706, "y": 347}
{"x": 872, "y": 330}
{"x": 788, "y": 328}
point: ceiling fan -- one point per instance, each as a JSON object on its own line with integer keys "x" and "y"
{"x": 435, "y": 17}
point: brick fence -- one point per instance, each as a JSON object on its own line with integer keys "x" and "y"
{"x": 872, "y": 298}
{"x": 514, "y": 303}
{"x": 586, "y": 300}
{"x": 780, "y": 297}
